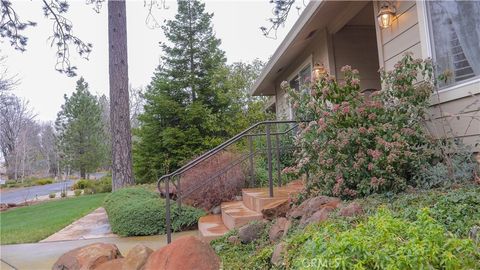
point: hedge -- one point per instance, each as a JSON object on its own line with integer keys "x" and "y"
{"x": 137, "y": 211}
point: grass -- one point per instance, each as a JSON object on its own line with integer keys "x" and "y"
{"x": 33, "y": 223}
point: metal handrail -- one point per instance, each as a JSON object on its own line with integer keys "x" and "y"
{"x": 167, "y": 177}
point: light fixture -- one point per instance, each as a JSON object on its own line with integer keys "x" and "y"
{"x": 386, "y": 14}
{"x": 319, "y": 71}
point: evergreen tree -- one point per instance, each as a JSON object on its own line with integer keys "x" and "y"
{"x": 80, "y": 131}
{"x": 186, "y": 100}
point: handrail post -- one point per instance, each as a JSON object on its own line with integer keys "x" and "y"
{"x": 252, "y": 168}
{"x": 269, "y": 158}
{"x": 179, "y": 193}
{"x": 167, "y": 211}
{"x": 277, "y": 143}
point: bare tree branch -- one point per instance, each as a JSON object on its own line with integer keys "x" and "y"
{"x": 280, "y": 13}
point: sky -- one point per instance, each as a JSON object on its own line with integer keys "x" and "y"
{"x": 236, "y": 23}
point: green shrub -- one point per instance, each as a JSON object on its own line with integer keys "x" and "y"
{"x": 137, "y": 211}
{"x": 52, "y": 195}
{"x": 88, "y": 191}
{"x": 356, "y": 146}
{"x": 63, "y": 194}
{"x": 77, "y": 192}
{"x": 83, "y": 184}
{"x": 102, "y": 185}
{"x": 386, "y": 242}
{"x": 44, "y": 181}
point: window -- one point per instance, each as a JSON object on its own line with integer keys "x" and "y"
{"x": 300, "y": 82}
{"x": 455, "y": 36}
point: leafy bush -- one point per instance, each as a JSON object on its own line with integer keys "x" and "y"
{"x": 77, "y": 192}
{"x": 357, "y": 145}
{"x": 63, "y": 194}
{"x": 137, "y": 211}
{"x": 102, "y": 185}
{"x": 220, "y": 189}
{"x": 45, "y": 181}
{"x": 456, "y": 167}
{"x": 52, "y": 195}
{"x": 386, "y": 242}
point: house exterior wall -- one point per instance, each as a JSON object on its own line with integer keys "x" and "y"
{"x": 316, "y": 52}
{"x": 453, "y": 109}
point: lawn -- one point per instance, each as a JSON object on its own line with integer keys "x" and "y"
{"x": 34, "y": 223}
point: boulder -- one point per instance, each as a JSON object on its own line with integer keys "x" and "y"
{"x": 137, "y": 257}
{"x": 353, "y": 209}
{"x": 278, "y": 228}
{"x": 319, "y": 216}
{"x": 233, "y": 239}
{"x": 312, "y": 205}
{"x": 187, "y": 252}
{"x": 277, "y": 255}
{"x": 217, "y": 210}
{"x": 87, "y": 257}
{"x": 117, "y": 264}
{"x": 276, "y": 209}
{"x": 474, "y": 234}
{"x": 250, "y": 232}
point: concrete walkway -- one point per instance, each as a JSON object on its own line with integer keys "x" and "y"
{"x": 93, "y": 225}
{"x": 39, "y": 256}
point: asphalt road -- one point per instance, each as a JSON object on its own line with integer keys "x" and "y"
{"x": 19, "y": 195}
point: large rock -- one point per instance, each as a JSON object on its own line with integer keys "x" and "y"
{"x": 137, "y": 257}
{"x": 353, "y": 209}
{"x": 277, "y": 255}
{"x": 276, "y": 209}
{"x": 87, "y": 257}
{"x": 117, "y": 264}
{"x": 278, "y": 229}
{"x": 250, "y": 232}
{"x": 188, "y": 252}
{"x": 319, "y": 216}
{"x": 313, "y": 205}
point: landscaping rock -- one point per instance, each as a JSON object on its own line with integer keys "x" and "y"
{"x": 87, "y": 257}
{"x": 217, "y": 210}
{"x": 251, "y": 232}
{"x": 137, "y": 257}
{"x": 474, "y": 234}
{"x": 277, "y": 230}
{"x": 277, "y": 255}
{"x": 319, "y": 216}
{"x": 353, "y": 209}
{"x": 276, "y": 209}
{"x": 3, "y": 206}
{"x": 188, "y": 252}
{"x": 117, "y": 264}
{"x": 312, "y": 205}
{"x": 288, "y": 225}
{"x": 233, "y": 239}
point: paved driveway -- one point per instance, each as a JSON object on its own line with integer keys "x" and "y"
{"x": 19, "y": 195}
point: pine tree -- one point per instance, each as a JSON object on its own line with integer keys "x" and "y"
{"x": 187, "y": 97}
{"x": 80, "y": 131}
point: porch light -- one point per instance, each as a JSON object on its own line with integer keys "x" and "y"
{"x": 386, "y": 14}
{"x": 319, "y": 70}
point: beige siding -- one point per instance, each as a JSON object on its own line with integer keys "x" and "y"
{"x": 316, "y": 52}
{"x": 455, "y": 112}
{"x": 347, "y": 44}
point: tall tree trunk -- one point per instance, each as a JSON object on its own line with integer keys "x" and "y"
{"x": 119, "y": 98}
{"x": 83, "y": 173}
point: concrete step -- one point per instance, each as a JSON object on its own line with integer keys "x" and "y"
{"x": 211, "y": 227}
{"x": 257, "y": 199}
{"x": 236, "y": 214}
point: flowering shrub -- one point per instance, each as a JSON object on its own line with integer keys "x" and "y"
{"x": 355, "y": 144}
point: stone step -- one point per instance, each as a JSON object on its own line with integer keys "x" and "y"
{"x": 236, "y": 214}
{"x": 257, "y": 199}
{"x": 211, "y": 227}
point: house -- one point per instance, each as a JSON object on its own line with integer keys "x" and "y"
{"x": 332, "y": 34}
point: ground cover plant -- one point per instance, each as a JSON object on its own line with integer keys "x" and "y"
{"x": 138, "y": 211}
{"x": 429, "y": 228}
{"x": 102, "y": 185}
{"x": 36, "y": 222}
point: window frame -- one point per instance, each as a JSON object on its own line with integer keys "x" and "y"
{"x": 305, "y": 64}
{"x": 429, "y": 49}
